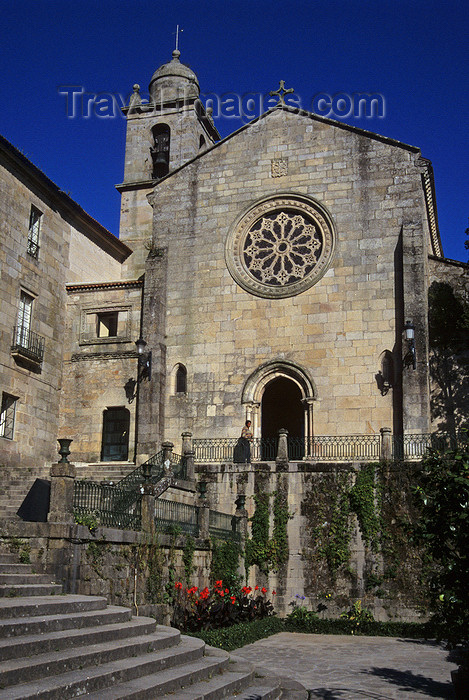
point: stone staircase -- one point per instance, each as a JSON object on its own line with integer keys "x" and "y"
{"x": 55, "y": 646}
{"x": 15, "y": 483}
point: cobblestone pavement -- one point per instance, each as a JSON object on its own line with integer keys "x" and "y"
{"x": 346, "y": 667}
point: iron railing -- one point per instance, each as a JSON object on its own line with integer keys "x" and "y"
{"x": 224, "y": 526}
{"x": 416, "y": 446}
{"x": 27, "y": 343}
{"x": 323, "y": 448}
{"x": 341, "y": 447}
{"x": 107, "y": 504}
{"x": 169, "y": 514}
{"x": 152, "y": 471}
{"x": 234, "y": 450}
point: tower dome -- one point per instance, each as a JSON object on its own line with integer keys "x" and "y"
{"x": 173, "y": 81}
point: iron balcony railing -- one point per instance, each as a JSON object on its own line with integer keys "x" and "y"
{"x": 224, "y": 526}
{"x": 27, "y": 343}
{"x": 33, "y": 248}
{"x": 169, "y": 514}
{"x": 106, "y": 503}
{"x": 416, "y": 446}
{"x": 323, "y": 448}
{"x": 234, "y": 450}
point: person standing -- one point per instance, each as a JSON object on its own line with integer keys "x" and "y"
{"x": 246, "y": 439}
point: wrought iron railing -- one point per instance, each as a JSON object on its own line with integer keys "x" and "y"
{"x": 416, "y": 446}
{"x": 224, "y": 526}
{"x": 33, "y": 248}
{"x": 106, "y": 503}
{"x": 322, "y": 448}
{"x": 234, "y": 450}
{"x": 27, "y": 343}
{"x": 152, "y": 471}
{"x": 169, "y": 514}
{"x": 341, "y": 447}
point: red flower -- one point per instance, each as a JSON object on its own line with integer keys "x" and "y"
{"x": 226, "y": 590}
{"x": 221, "y": 593}
{"x": 233, "y": 600}
{"x": 274, "y": 592}
{"x": 178, "y": 585}
{"x": 256, "y": 588}
{"x": 264, "y": 590}
{"x": 218, "y": 584}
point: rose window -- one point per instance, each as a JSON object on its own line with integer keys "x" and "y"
{"x": 280, "y": 246}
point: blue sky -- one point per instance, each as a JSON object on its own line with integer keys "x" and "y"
{"x": 414, "y": 53}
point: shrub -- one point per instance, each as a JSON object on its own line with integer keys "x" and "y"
{"x": 238, "y": 635}
{"x": 210, "y": 609}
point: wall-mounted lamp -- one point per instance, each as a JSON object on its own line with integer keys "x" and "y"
{"x": 410, "y": 357}
{"x": 144, "y": 370}
{"x": 144, "y": 360}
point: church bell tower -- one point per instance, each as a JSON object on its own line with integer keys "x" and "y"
{"x": 163, "y": 133}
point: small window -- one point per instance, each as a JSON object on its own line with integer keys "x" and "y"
{"x": 107, "y": 324}
{"x": 23, "y": 326}
{"x": 7, "y": 416}
{"x": 181, "y": 380}
{"x": 33, "y": 232}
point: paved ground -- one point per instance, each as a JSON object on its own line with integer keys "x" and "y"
{"x": 346, "y": 667}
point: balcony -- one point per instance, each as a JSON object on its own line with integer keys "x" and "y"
{"x": 27, "y": 347}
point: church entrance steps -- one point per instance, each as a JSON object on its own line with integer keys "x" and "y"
{"x": 19, "y": 580}
{"x": 62, "y": 646}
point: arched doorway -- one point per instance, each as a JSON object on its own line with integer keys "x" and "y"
{"x": 282, "y": 407}
{"x": 280, "y": 394}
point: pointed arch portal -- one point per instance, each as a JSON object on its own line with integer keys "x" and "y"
{"x": 280, "y": 394}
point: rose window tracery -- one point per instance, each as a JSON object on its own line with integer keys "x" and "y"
{"x": 280, "y": 246}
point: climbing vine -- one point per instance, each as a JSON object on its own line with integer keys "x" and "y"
{"x": 362, "y": 502}
{"x": 268, "y": 553}
{"x": 225, "y": 563}
{"x": 280, "y": 535}
{"x": 188, "y": 558}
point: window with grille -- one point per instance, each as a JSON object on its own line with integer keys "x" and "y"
{"x": 33, "y": 232}
{"x": 7, "y": 416}
{"x": 23, "y": 326}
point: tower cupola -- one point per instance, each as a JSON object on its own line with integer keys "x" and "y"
{"x": 173, "y": 81}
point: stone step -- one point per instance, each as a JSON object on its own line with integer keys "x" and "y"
{"x": 13, "y": 579}
{"x": 196, "y": 685}
{"x": 15, "y": 627}
{"x": 45, "y": 605}
{"x": 23, "y": 670}
{"x": 94, "y": 679}
{"x": 6, "y": 558}
{"x": 29, "y": 589}
{"x": 10, "y": 568}
{"x": 31, "y": 644}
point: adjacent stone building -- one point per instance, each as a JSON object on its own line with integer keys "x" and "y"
{"x": 46, "y": 242}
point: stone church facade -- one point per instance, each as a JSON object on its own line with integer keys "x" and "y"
{"x": 271, "y": 275}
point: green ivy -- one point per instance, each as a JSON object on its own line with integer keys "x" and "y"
{"x": 268, "y": 553}
{"x": 188, "y": 558}
{"x": 362, "y": 503}
{"x": 225, "y": 563}
{"x": 258, "y": 548}
{"x": 280, "y": 535}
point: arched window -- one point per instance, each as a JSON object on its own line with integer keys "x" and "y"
{"x": 160, "y": 150}
{"x": 180, "y": 383}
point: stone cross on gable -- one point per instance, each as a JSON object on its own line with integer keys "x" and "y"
{"x": 281, "y": 92}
